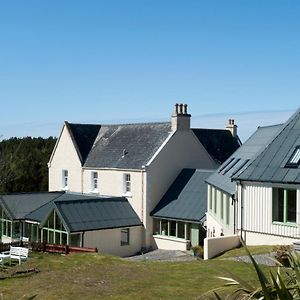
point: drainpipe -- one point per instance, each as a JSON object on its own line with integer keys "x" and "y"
{"x": 143, "y": 232}
{"x": 242, "y": 210}
{"x": 234, "y": 202}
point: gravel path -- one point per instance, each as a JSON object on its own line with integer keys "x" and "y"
{"x": 262, "y": 259}
{"x": 165, "y": 255}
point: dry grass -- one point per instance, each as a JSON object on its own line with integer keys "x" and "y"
{"x": 97, "y": 276}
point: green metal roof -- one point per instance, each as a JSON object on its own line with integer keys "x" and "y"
{"x": 186, "y": 199}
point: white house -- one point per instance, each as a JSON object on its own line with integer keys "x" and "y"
{"x": 118, "y": 164}
{"x": 255, "y": 193}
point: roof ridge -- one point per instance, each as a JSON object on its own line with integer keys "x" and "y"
{"x": 31, "y": 193}
{"x": 120, "y": 124}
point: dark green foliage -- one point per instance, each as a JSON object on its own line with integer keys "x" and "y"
{"x": 23, "y": 164}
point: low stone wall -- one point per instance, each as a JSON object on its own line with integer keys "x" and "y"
{"x": 216, "y": 245}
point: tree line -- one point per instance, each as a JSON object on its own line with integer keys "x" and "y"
{"x": 23, "y": 164}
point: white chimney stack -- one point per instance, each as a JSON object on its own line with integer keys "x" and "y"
{"x": 181, "y": 120}
{"x": 232, "y": 127}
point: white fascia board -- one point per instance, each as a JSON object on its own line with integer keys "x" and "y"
{"x": 160, "y": 148}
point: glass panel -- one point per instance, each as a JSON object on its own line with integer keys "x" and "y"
{"x": 188, "y": 231}
{"x": 291, "y": 206}
{"x": 64, "y": 238}
{"x": 278, "y": 204}
{"x": 51, "y": 221}
{"x": 51, "y": 237}
{"x": 16, "y": 230}
{"x": 8, "y": 228}
{"x": 57, "y": 237}
{"x": 172, "y": 228}
{"x": 180, "y": 230}
{"x": 4, "y": 223}
{"x": 124, "y": 236}
{"x": 210, "y": 196}
{"x": 57, "y": 223}
{"x": 164, "y": 227}
{"x": 156, "y": 225}
{"x": 215, "y": 198}
{"x": 227, "y": 209}
{"x": 222, "y": 205}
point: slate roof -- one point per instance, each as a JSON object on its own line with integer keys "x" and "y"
{"x": 83, "y": 136}
{"x": 186, "y": 199}
{"x": 93, "y": 213}
{"x": 219, "y": 143}
{"x": 270, "y": 164}
{"x": 21, "y": 204}
{"x": 241, "y": 158}
{"x": 138, "y": 142}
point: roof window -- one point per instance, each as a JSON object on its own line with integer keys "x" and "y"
{"x": 294, "y": 160}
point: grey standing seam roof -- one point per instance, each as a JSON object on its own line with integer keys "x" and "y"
{"x": 20, "y": 205}
{"x": 270, "y": 164}
{"x": 219, "y": 143}
{"x": 128, "y": 146}
{"x": 186, "y": 199}
{"x": 94, "y": 213}
{"x": 242, "y": 158}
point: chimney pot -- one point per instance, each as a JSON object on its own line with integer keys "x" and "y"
{"x": 181, "y": 119}
{"x": 232, "y": 127}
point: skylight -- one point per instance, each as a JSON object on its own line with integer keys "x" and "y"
{"x": 294, "y": 160}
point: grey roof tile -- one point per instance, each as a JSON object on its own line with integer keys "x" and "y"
{"x": 83, "y": 136}
{"x": 138, "y": 142}
{"x": 186, "y": 199}
{"x": 219, "y": 143}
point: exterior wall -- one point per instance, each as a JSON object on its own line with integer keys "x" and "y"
{"x": 170, "y": 243}
{"x": 217, "y": 245}
{"x": 109, "y": 241}
{"x": 216, "y": 225}
{"x": 182, "y": 150}
{"x": 65, "y": 158}
{"x": 256, "y": 216}
{"x": 111, "y": 183}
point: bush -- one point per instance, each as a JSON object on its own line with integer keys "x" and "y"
{"x": 198, "y": 251}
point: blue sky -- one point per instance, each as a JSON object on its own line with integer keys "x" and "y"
{"x": 125, "y": 61}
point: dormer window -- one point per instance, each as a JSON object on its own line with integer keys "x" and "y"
{"x": 65, "y": 176}
{"x": 294, "y": 160}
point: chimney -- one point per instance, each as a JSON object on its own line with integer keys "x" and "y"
{"x": 232, "y": 127}
{"x": 181, "y": 119}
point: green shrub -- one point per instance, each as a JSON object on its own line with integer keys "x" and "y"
{"x": 198, "y": 251}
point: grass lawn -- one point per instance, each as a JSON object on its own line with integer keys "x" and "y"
{"x": 98, "y": 276}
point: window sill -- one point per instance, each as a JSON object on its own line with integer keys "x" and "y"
{"x": 170, "y": 238}
{"x": 285, "y": 224}
{"x": 127, "y": 194}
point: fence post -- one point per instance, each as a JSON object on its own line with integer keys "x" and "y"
{"x": 67, "y": 250}
{"x": 44, "y": 247}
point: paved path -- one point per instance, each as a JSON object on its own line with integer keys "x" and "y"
{"x": 164, "y": 255}
{"x": 262, "y": 259}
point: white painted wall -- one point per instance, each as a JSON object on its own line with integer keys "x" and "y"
{"x": 182, "y": 150}
{"x": 65, "y": 157}
{"x": 170, "y": 243}
{"x": 111, "y": 183}
{"x": 255, "y": 239}
{"x": 217, "y": 245}
{"x": 257, "y": 215}
{"x": 109, "y": 241}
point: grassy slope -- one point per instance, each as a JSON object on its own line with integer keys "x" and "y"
{"x": 97, "y": 276}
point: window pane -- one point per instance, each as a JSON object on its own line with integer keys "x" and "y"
{"x": 164, "y": 227}
{"x": 278, "y": 204}
{"x": 172, "y": 228}
{"x": 215, "y": 198}
{"x": 291, "y": 206}
{"x": 222, "y": 205}
{"x": 227, "y": 209}
{"x": 124, "y": 236}
{"x": 210, "y": 196}
{"x": 180, "y": 228}
{"x": 156, "y": 226}
{"x": 75, "y": 240}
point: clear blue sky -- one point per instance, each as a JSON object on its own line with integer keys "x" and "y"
{"x": 125, "y": 60}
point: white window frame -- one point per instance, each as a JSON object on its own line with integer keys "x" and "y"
{"x": 65, "y": 179}
{"x": 127, "y": 183}
{"x": 94, "y": 181}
